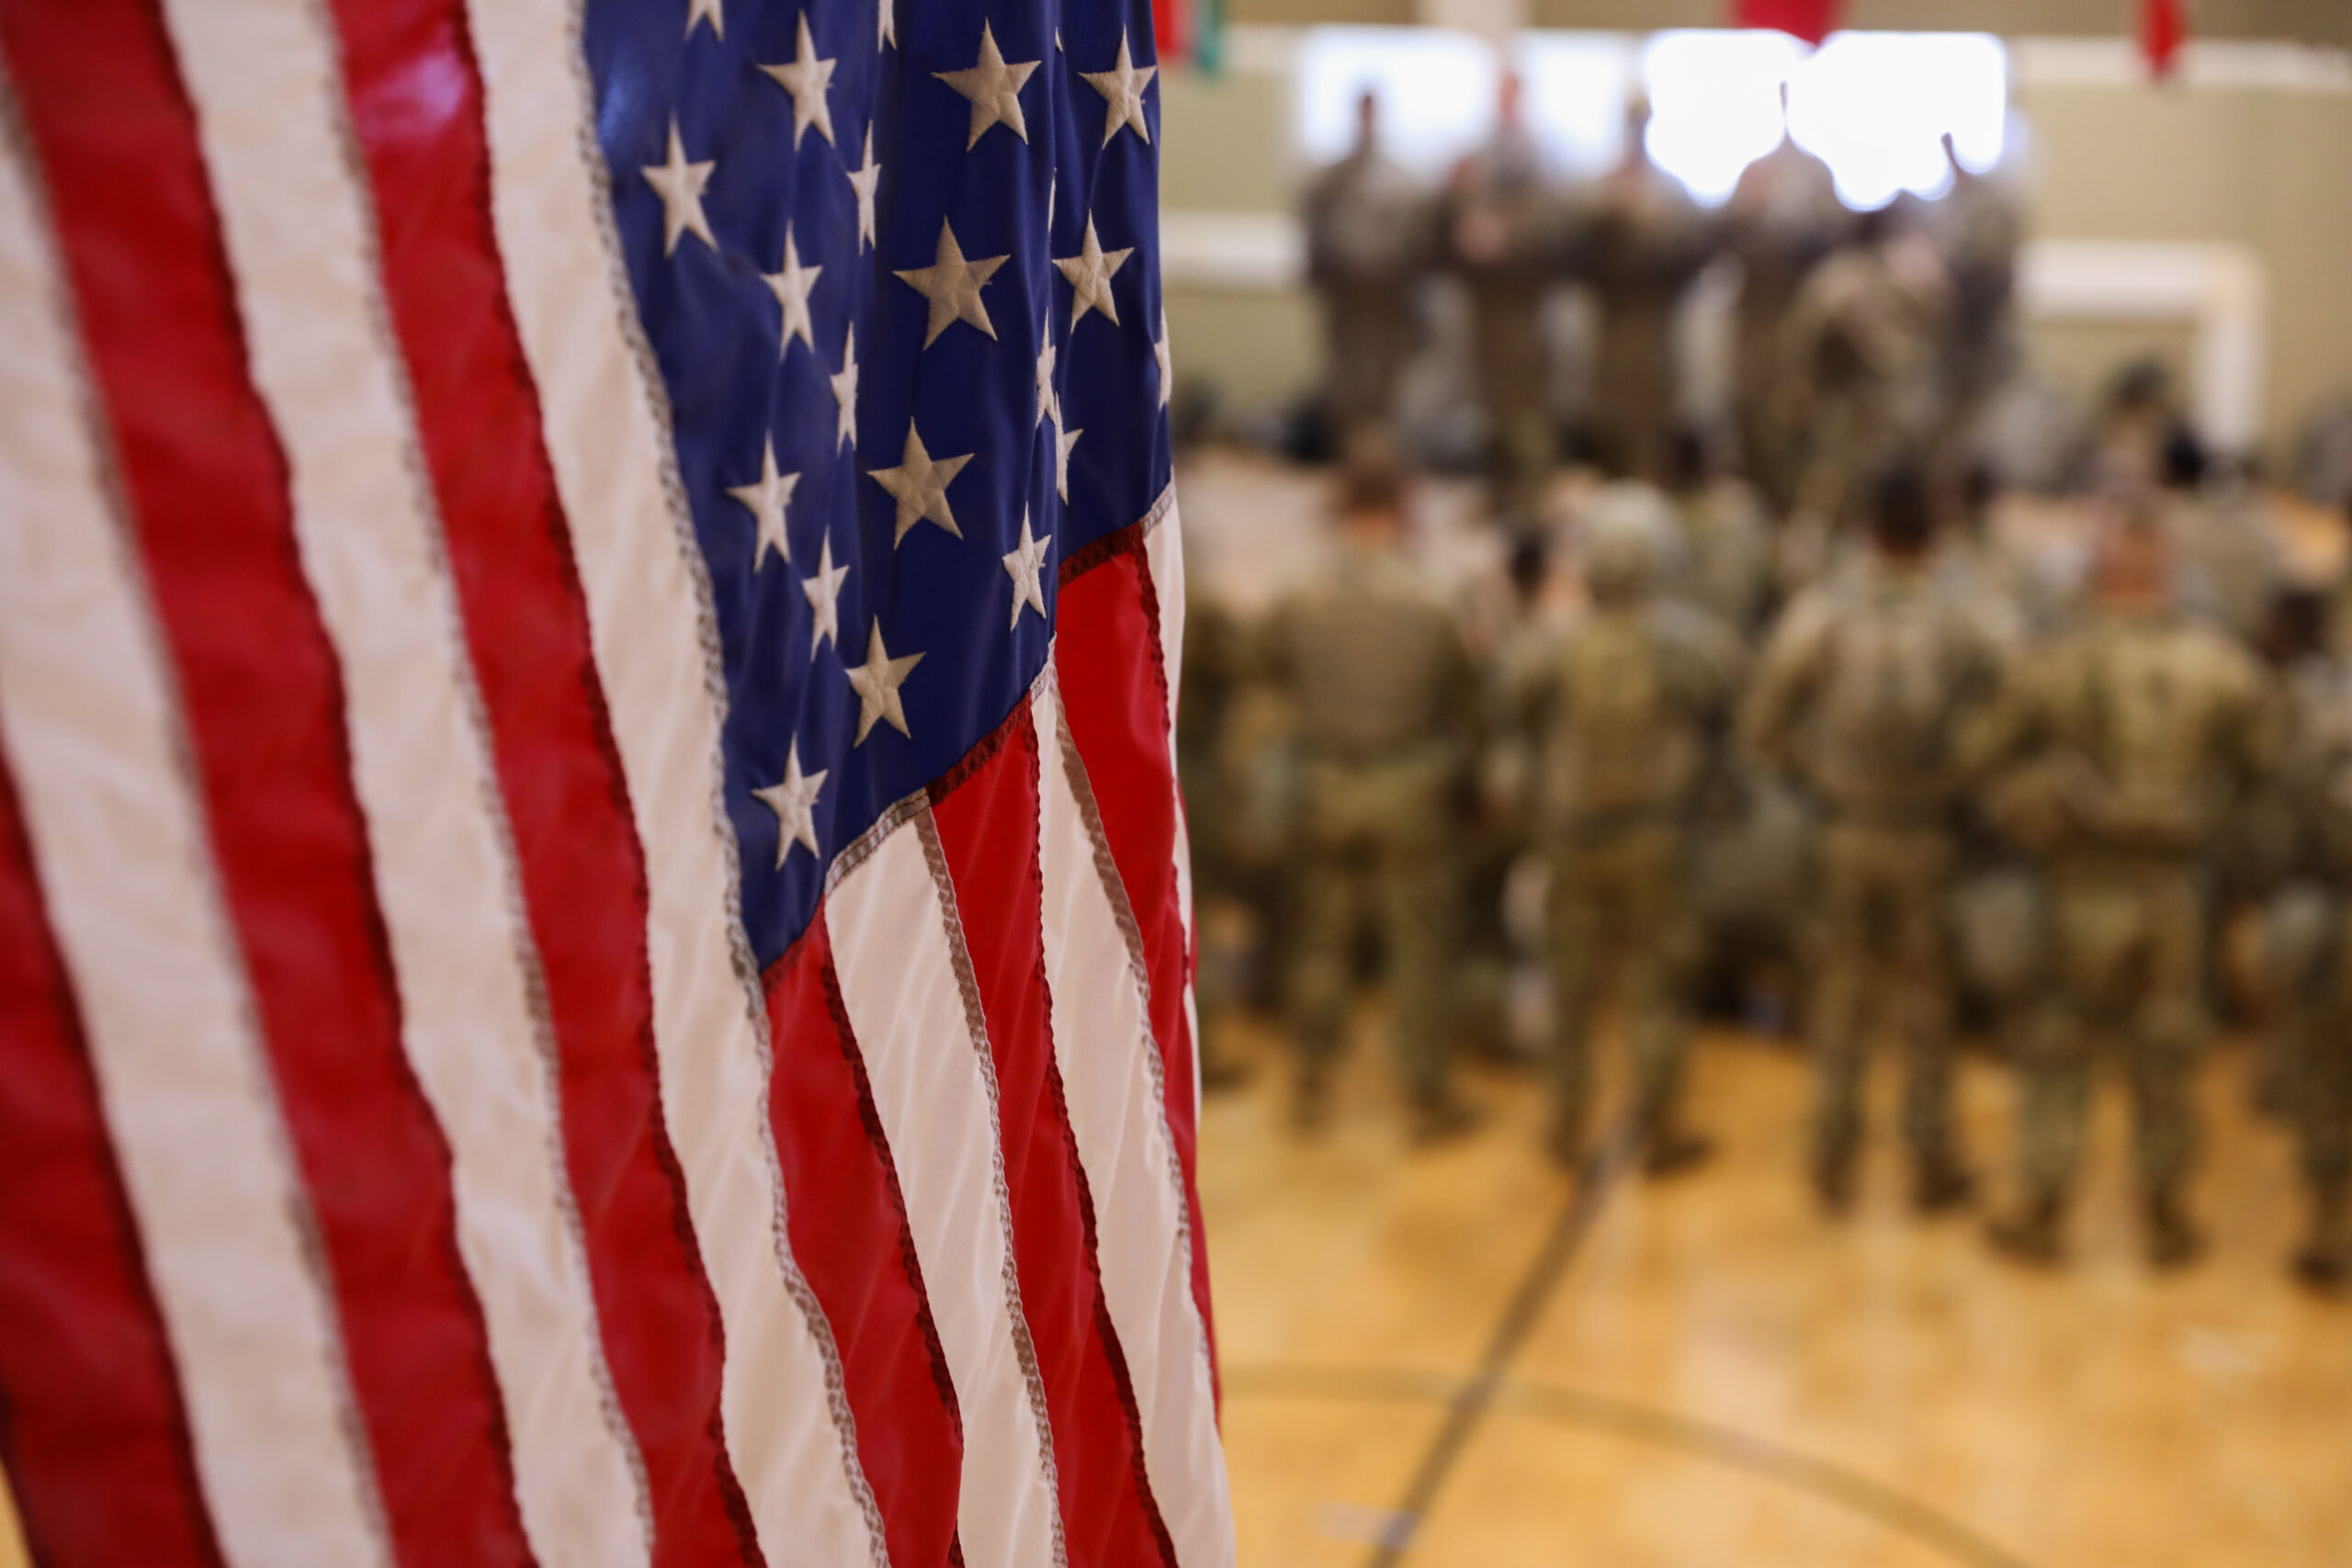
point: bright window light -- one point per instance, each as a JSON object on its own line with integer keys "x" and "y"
{"x": 1716, "y": 103}
{"x": 1576, "y": 85}
{"x": 1873, "y": 105}
{"x": 1436, "y": 88}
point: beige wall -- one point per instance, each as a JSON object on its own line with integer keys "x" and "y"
{"x": 2268, "y": 169}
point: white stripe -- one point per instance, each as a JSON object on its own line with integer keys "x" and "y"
{"x": 1111, "y": 1077}
{"x": 934, "y": 1090}
{"x": 787, "y": 1419}
{"x": 267, "y": 94}
{"x": 87, "y": 708}
{"x": 1164, "y": 557}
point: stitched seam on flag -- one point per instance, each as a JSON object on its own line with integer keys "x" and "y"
{"x": 654, "y": 390}
{"x": 115, "y": 495}
{"x": 1106, "y": 1331}
{"x": 975, "y": 1026}
{"x": 566, "y": 565}
{"x": 486, "y": 787}
{"x": 1119, "y": 541}
{"x": 869, "y": 1119}
{"x": 1106, "y": 870}
{"x": 905, "y": 809}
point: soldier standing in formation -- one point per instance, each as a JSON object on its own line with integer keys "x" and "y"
{"x": 1860, "y": 366}
{"x": 1639, "y": 243}
{"x": 1784, "y": 218}
{"x": 2136, "y": 734}
{"x": 1860, "y": 692}
{"x": 1386, "y": 701}
{"x": 1369, "y": 243}
{"x": 1501, "y": 233}
{"x": 1626, "y": 707}
{"x": 1978, "y": 230}
{"x": 1728, "y": 544}
{"x": 2317, "y": 785}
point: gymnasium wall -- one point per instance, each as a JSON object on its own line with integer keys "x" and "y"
{"x": 2253, "y": 146}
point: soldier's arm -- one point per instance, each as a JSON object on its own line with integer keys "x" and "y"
{"x": 2007, "y": 726}
{"x": 1785, "y": 679}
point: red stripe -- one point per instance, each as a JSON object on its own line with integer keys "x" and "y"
{"x": 988, "y": 827}
{"x": 93, "y": 1435}
{"x": 207, "y": 484}
{"x": 1114, "y": 692}
{"x": 848, "y": 1223}
{"x": 415, "y": 88}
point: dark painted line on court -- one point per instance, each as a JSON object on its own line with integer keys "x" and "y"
{"x": 1474, "y": 1398}
{"x": 1734, "y": 1449}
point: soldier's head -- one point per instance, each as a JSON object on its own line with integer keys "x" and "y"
{"x": 2131, "y": 563}
{"x": 1370, "y": 504}
{"x": 1627, "y": 530}
{"x": 1367, "y": 118}
{"x": 1980, "y": 492}
{"x": 1508, "y": 91}
{"x": 1637, "y": 126}
{"x": 1902, "y": 513}
{"x": 1688, "y": 463}
{"x": 2184, "y": 463}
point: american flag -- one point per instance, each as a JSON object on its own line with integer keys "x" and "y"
{"x": 593, "y": 925}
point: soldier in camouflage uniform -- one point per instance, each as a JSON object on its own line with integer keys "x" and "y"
{"x": 2316, "y": 1010}
{"x": 1625, "y": 709}
{"x": 1502, "y": 227}
{"x": 1727, "y": 568}
{"x": 1386, "y": 702}
{"x": 1782, "y": 219}
{"x": 1978, "y": 230}
{"x": 2128, "y": 743}
{"x": 1858, "y": 696}
{"x": 1639, "y": 242}
{"x": 1861, "y": 367}
{"x": 1370, "y": 238}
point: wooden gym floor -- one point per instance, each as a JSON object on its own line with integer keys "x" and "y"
{"x": 1706, "y": 1371}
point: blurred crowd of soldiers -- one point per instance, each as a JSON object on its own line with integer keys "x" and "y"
{"x": 1813, "y": 723}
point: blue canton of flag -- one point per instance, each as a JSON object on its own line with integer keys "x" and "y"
{"x": 897, "y": 273}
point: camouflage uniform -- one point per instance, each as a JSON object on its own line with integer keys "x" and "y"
{"x": 1728, "y": 567}
{"x": 2317, "y": 992}
{"x": 1859, "y": 694}
{"x": 1502, "y": 223}
{"x": 2131, "y": 740}
{"x": 1639, "y": 242}
{"x": 1859, "y": 365}
{"x": 1369, "y": 240}
{"x": 1623, "y": 706}
{"x": 1978, "y": 229}
{"x": 1386, "y": 702}
{"x": 1784, "y": 218}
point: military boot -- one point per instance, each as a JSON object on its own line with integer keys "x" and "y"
{"x": 1833, "y": 1180}
{"x": 2174, "y": 1241}
{"x": 2321, "y": 1262}
{"x": 1672, "y": 1150}
{"x": 1564, "y": 1139}
{"x": 2033, "y": 1233}
{"x": 1310, "y": 1104}
{"x": 1443, "y": 1117}
{"x": 1939, "y": 1181}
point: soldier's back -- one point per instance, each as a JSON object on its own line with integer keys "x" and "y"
{"x": 1375, "y": 658}
{"x": 1631, "y": 692}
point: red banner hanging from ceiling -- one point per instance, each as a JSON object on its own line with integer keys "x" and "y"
{"x": 1811, "y": 20}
